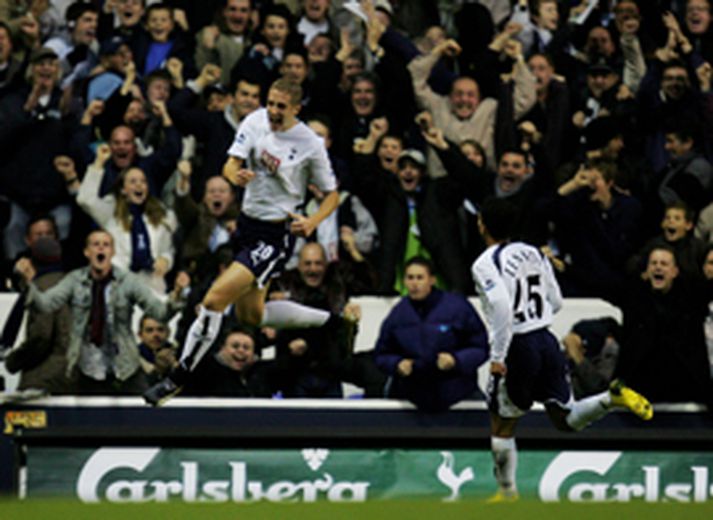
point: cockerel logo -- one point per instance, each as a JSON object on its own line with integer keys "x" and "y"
{"x": 446, "y": 474}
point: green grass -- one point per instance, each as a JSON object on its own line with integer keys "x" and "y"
{"x": 377, "y": 510}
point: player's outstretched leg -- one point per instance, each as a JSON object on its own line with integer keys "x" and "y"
{"x": 624, "y": 397}
{"x": 203, "y": 332}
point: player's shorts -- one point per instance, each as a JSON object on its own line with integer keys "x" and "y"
{"x": 536, "y": 371}
{"x": 263, "y": 247}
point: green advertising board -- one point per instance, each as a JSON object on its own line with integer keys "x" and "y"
{"x": 134, "y": 474}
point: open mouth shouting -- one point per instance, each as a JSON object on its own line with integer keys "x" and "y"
{"x": 673, "y": 233}
{"x": 276, "y": 122}
{"x": 216, "y": 207}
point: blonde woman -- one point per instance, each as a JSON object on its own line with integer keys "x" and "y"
{"x": 141, "y": 226}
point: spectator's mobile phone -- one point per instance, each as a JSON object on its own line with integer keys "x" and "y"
{"x": 423, "y": 124}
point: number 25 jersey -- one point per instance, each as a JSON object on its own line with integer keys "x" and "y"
{"x": 518, "y": 290}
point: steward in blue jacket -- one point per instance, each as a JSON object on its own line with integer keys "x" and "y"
{"x": 431, "y": 343}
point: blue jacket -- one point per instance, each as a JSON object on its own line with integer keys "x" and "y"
{"x": 443, "y": 322}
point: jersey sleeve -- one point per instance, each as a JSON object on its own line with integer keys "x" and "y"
{"x": 496, "y": 307}
{"x": 247, "y": 135}
{"x": 321, "y": 172}
{"x": 554, "y": 294}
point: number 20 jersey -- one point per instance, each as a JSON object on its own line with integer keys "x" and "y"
{"x": 518, "y": 290}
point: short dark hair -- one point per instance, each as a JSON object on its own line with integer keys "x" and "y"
{"x": 159, "y": 6}
{"x": 423, "y": 262}
{"x": 683, "y": 129}
{"x": 606, "y": 167}
{"x": 499, "y": 216}
{"x": 145, "y": 317}
{"x": 662, "y": 246}
{"x": 515, "y": 151}
{"x": 158, "y": 74}
{"x": 369, "y": 77}
{"x": 688, "y": 212}
{"x": 40, "y": 217}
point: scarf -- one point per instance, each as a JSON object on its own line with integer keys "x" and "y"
{"x": 97, "y": 316}
{"x": 141, "y": 259}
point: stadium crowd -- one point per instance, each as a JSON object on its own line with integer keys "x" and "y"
{"x": 594, "y": 117}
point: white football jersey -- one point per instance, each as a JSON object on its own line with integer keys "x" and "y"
{"x": 518, "y": 290}
{"x": 284, "y": 164}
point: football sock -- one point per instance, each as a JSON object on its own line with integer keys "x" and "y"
{"x": 588, "y": 410}
{"x": 284, "y": 314}
{"x": 201, "y": 335}
{"x": 505, "y": 460}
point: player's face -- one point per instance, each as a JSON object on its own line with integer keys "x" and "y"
{"x": 661, "y": 270}
{"x": 312, "y": 265}
{"x": 247, "y": 98}
{"x": 135, "y": 187}
{"x": 218, "y": 196}
{"x": 674, "y": 224}
{"x": 464, "y": 97}
{"x": 511, "y": 172}
{"x": 419, "y": 282}
{"x": 281, "y": 112}
{"x": 238, "y": 351}
{"x": 153, "y": 333}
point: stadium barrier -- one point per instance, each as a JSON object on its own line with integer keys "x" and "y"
{"x": 117, "y": 449}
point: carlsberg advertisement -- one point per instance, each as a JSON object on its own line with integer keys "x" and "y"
{"x": 138, "y": 474}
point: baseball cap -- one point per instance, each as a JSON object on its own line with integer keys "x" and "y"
{"x": 384, "y": 5}
{"x": 42, "y": 53}
{"x": 111, "y": 46}
{"x": 413, "y": 155}
{"x": 215, "y": 89}
{"x": 600, "y": 66}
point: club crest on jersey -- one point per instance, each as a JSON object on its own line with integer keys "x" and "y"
{"x": 488, "y": 284}
{"x": 270, "y": 162}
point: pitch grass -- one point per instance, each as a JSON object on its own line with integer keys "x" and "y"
{"x": 377, "y": 510}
